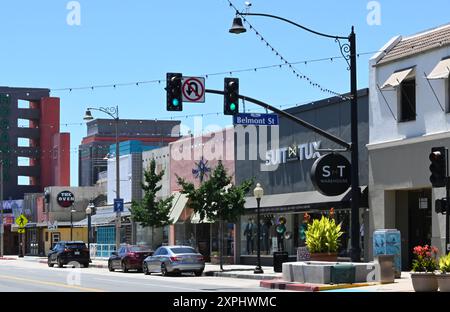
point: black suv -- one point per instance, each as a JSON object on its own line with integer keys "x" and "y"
{"x": 67, "y": 252}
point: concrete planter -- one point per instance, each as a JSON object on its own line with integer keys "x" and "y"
{"x": 443, "y": 280}
{"x": 329, "y": 257}
{"x": 424, "y": 281}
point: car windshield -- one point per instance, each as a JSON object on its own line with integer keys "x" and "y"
{"x": 139, "y": 248}
{"x": 182, "y": 250}
{"x": 75, "y": 245}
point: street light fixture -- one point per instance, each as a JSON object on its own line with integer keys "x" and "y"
{"x": 348, "y": 51}
{"x": 258, "y": 192}
{"x": 72, "y": 211}
{"x": 89, "y": 211}
{"x": 113, "y": 112}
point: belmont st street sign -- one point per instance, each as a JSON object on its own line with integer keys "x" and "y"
{"x": 256, "y": 119}
{"x": 331, "y": 174}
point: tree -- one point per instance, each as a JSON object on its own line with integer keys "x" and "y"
{"x": 217, "y": 199}
{"x": 150, "y": 212}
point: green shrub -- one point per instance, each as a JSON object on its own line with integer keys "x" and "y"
{"x": 323, "y": 236}
{"x": 444, "y": 264}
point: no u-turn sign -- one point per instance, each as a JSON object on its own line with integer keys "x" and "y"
{"x": 193, "y": 89}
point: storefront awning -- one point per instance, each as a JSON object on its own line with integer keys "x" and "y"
{"x": 441, "y": 71}
{"x": 178, "y": 204}
{"x": 397, "y": 78}
{"x": 103, "y": 216}
{"x": 302, "y": 201}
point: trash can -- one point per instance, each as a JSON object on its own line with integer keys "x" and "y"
{"x": 279, "y": 258}
{"x": 385, "y": 269}
{"x": 343, "y": 274}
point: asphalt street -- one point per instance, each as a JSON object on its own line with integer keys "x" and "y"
{"x": 27, "y": 276}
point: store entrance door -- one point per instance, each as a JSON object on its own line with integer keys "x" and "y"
{"x": 419, "y": 203}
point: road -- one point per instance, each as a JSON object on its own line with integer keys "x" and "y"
{"x": 28, "y": 276}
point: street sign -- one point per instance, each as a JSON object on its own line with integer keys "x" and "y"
{"x": 256, "y": 119}
{"x": 331, "y": 174}
{"x": 193, "y": 89}
{"x": 21, "y": 231}
{"x": 118, "y": 204}
{"x": 52, "y": 226}
{"x": 21, "y": 221}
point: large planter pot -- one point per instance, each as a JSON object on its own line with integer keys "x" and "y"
{"x": 443, "y": 280}
{"x": 330, "y": 257}
{"x": 424, "y": 281}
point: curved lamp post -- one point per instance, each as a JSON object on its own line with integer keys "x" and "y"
{"x": 258, "y": 192}
{"x": 89, "y": 211}
{"x": 113, "y": 112}
{"x": 348, "y": 51}
{"x": 72, "y": 211}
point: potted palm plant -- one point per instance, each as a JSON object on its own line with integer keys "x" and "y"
{"x": 423, "y": 267}
{"x": 323, "y": 239}
{"x": 443, "y": 277}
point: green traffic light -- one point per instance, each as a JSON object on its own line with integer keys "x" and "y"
{"x": 175, "y": 102}
{"x": 233, "y": 106}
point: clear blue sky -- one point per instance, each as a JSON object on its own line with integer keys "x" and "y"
{"x": 128, "y": 41}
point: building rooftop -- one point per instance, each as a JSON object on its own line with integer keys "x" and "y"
{"x": 424, "y": 41}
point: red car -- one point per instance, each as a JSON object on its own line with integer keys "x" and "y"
{"x": 129, "y": 257}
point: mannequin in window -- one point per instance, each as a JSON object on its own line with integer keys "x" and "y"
{"x": 302, "y": 230}
{"x": 249, "y": 234}
{"x": 281, "y": 229}
{"x": 264, "y": 239}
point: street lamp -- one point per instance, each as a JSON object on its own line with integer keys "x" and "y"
{"x": 348, "y": 51}
{"x": 72, "y": 211}
{"x": 113, "y": 112}
{"x": 258, "y": 192}
{"x": 89, "y": 210}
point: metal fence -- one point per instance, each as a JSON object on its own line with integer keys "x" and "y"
{"x": 101, "y": 251}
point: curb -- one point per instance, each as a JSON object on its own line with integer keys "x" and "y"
{"x": 242, "y": 276}
{"x": 91, "y": 265}
{"x": 6, "y": 258}
{"x": 283, "y": 285}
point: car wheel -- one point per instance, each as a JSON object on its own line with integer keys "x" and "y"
{"x": 145, "y": 269}
{"x": 164, "y": 271}
{"x": 124, "y": 267}
{"x": 60, "y": 263}
{"x": 110, "y": 267}
{"x": 198, "y": 273}
{"x": 50, "y": 265}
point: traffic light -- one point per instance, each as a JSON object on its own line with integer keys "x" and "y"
{"x": 174, "y": 93}
{"x": 438, "y": 166}
{"x": 231, "y": 96}
{"x": 440, "y": 206}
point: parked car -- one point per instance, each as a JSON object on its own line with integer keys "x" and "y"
{"x": 129, "y": 257}
{"x": 174, "y": 259}
{"x": 66, "y": 252}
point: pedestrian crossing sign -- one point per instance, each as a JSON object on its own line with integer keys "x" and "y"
{"x": 21, "y": 221}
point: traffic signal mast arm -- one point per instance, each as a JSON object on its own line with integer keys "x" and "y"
{"x": 291, "y": 117}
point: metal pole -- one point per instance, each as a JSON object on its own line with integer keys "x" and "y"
{"x": 355, "y": 189}
{"x": 258, "y": 269}
{"x": 71, "y": 225}
{"x": 2, "y": 226}
{"x": 447, "y": 216}
{"x": 89, "y": 235}
{"x": 118, "y": 214}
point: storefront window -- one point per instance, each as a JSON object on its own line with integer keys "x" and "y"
{"x": 285, "y": 232}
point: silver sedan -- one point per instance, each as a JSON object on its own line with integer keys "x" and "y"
{"x": 174, "y": 259}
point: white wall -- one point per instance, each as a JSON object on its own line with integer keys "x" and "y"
{"x": 430, "y": 117}
{"x": 125, "y": 172}
{"x": 162, "y": 159}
